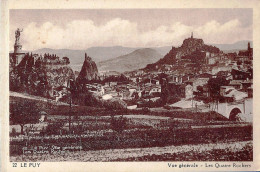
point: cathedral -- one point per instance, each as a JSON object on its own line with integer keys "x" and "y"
{"x": 248, "y": 52}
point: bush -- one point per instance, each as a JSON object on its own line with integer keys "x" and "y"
{"x": 53, "y": 128}
{"x": 115, "y": 104}
{"x": 145, "y": 110}
{"x": 118, "y": 124}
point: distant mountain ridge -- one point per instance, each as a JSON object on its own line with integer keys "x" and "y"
{"x": 240, "y": 45}
{"x": 132, "y": 61}
{"x": 96, "y": 53}
{"x": 99, "y": 54}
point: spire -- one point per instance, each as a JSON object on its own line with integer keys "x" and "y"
{"x": 248, "y": 46}
{"x": 191, "y": 35}
{"x": 85, "y": 56}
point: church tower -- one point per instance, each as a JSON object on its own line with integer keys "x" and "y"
{"x": 250, "y": 50}
{"x": 191, "y": 35}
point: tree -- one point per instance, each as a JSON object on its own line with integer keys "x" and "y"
{"x": 24, "y": 112}
{"x": 118, "y": 124}
{"x": 66, "y": 60}
{"x": 214, "y": 86}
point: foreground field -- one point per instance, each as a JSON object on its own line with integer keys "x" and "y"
{"x": 230, "y": 151}
{"x": 137, "y": 138}
{"x": 94, "y": 135}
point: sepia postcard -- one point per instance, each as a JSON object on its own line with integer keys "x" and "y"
{"x": 130, "y": 86}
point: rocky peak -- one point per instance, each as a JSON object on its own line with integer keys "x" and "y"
{"x": 190, "y": 47}
{"x": 192, "y": 43}
{"x": 87, "y": 58}
{"x": 89, "y": 70}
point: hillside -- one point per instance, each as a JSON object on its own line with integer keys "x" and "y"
{"x": 162, "y": 50}
{"x": 105, "y": 53}
{"x": 192, "y": 49}
{"x": 39, "y": 76}
{"x": 135, "y": 60}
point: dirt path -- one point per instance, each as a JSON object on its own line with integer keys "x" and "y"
{"x": 27, "y": 96}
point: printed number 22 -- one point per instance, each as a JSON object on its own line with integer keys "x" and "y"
{"x": 14, "y": 164}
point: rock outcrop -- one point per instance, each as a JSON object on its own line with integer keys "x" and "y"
{"x": 40, "y": 76}
{"x": 190, "y": 46}
{"x": 88, "y": 71}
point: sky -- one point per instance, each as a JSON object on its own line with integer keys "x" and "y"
{"x": 82, "y": 29}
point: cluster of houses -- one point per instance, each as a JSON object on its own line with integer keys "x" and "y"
{"x": 181, "y": 81}
{"x": 185, "y": 84}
